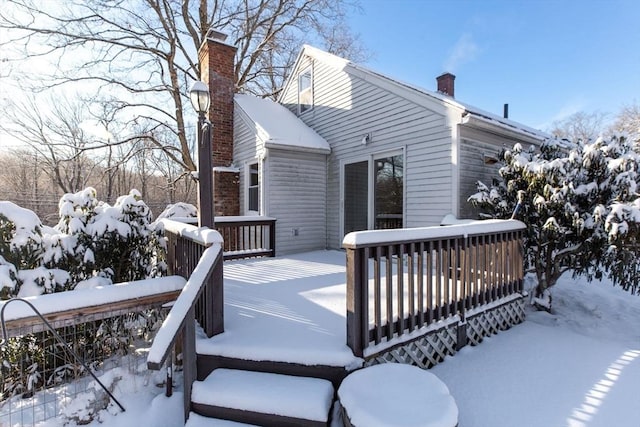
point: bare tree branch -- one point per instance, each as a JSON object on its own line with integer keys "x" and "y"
{"x": 140, "y": 56}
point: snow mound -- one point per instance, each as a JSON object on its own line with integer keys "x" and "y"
{"x": 597, "y": 309}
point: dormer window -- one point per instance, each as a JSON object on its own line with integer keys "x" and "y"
{"x": 305, "y": 91}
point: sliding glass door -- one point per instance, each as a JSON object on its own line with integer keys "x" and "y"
{"x": 373, "y": 193}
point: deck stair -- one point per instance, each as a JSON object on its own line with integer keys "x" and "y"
{"x": 261, "y": 398}
{"x": 196, "y": 420}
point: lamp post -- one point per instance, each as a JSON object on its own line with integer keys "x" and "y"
{"x": 200, "y": 98}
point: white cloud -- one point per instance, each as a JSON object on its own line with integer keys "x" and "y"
{"x": 465, "y": 50}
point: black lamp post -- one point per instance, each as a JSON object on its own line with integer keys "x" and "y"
{"x": 200, "y": 98}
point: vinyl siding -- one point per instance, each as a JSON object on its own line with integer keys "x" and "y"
{"x": 473, "y": 169}
{"x": 296, "y": 198}
{"x": 245, "y": 151}
{"x": 474, "y": 145}
{"x": 346, "y": 108}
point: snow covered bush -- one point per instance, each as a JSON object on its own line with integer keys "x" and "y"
{"x": 20, "y": 236}
{"x": 93, "y": 243}
{"x": 21, "y": 249}
{"x": 581, "y": 205}
{"x": 179, "y": 210}
{"x": 119, "y": 242}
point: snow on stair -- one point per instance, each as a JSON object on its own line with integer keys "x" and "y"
{"x": 196, "y": 420}
{"x": 283, "y": 395}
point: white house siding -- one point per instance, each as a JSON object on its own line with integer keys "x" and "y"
{"x": 475, "y": 144}
{"x": 244, "y": 152}
{"x": 346, "y": 108}
{"x": 473, "y": 168}
{"x": 296, "y": 197}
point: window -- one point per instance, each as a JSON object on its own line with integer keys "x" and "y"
{"x": 253, "y": 188}
{"x": 305, "y": 91}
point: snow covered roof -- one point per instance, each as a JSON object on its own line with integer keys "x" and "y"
{"x": 278, "y": 127}
{"x": 471, "y": 115}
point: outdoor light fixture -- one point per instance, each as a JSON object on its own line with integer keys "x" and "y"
{"x": 199, "y": 96}
{"x": 200, "y": 99}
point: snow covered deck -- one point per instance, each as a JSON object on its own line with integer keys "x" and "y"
{"x": 285, "y": 309}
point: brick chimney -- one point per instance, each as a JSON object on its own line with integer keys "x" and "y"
{"x": 445, "y": 83}
{"x": 217, "y": 62}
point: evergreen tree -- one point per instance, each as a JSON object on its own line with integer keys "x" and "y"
{"x": 581, "y": 207}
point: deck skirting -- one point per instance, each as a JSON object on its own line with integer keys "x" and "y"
{"x": 430, "y": 349}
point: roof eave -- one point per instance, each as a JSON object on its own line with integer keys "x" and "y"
{"x": 502, "y": 128}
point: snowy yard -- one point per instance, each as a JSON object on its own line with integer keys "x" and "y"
{"x": 577, "y": 367}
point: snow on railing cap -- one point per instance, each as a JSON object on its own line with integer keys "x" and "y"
{"x": 373, "y": 237}
{"x": 202, "y": 235}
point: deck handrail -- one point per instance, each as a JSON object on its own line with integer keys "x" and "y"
{"x": 248, "y": 236}
{"x": 420, "y": 276}
{"x": 196, "y": 254}
{"x": 183, "y": 309}
{"x": 119, "y": 298}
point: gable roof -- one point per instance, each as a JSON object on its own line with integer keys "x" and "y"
{"x": 470, "y": 115}
{"x": 277, "y": 127}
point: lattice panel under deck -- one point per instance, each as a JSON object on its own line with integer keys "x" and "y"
{"x": 492, "y": 321}
{"x": 423, "y": 352}
{"x": 429, "y": 350}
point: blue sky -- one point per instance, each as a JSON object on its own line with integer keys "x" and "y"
{"x": 546, "y": 59}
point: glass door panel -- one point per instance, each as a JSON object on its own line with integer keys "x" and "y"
{"x": 388, "y": 192}
{"x": 356, "y": 196}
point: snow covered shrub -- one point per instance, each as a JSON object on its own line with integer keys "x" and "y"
{"x": 93, "y": 243}
{"x": 20, "y": 236}
{"x": 21, "y": 252}
{"x": 117, "y": 242}
{"x": 580, "y": 204}
{"x": 179, "y": 210}
{"x": 124, "y": 242}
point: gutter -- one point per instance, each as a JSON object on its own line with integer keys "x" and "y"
{"x": 271, "y": 144}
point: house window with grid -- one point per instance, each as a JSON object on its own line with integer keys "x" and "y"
{"x": 253, "y": 189}
{"x": 305, "y": 90}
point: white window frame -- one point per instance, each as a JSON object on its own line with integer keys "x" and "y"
{"x": 248, "y": 186}
{"x": 302, "y": 92}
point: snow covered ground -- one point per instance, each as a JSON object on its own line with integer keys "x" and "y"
{"x": 577, "y": 367}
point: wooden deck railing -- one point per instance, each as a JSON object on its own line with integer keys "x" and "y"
{"x": 196, "y": 254}
{"x": 247, "y": 236}
{"x": 399, "y": 281}
{"x": 244, "y": 236}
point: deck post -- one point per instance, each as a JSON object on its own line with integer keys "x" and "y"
{"x": 188, "y": 359}
{"x": 357, "y": 301}
{"x": 217, "y": 298}
{"x": 272, "y": 237}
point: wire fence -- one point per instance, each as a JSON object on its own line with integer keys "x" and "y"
{"x": 40, "y": 377}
